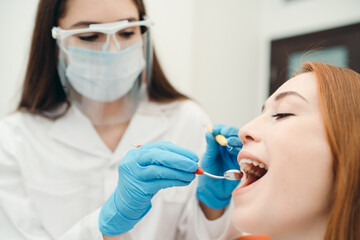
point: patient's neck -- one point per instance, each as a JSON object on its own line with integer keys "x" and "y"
{"x": 314, "y": 230}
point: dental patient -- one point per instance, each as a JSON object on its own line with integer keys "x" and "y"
{"x": 301, "y": 159}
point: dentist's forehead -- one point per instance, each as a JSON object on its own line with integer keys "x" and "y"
{"x": 95, "y": 11}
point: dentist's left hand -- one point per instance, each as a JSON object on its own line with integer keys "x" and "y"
{"x": 142, "y": 173}
{"x": 216, "y": 193}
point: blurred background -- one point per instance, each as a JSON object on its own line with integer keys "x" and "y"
{"x": 226, "y": 54}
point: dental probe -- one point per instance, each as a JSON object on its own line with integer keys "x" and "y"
{"x": 232, "y": 174}
{"x": 221, "y": 139}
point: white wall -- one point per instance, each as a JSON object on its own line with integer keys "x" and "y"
{"x": 16, "y": 23}
{"x": 227, "y": 56}
{"x": 173, "y": 35}
{"x": 215, "y": 51}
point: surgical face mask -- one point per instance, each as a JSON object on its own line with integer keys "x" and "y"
{"x": 104, "y": 76}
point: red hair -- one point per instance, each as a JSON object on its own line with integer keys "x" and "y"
{"x": 339, "y": 96}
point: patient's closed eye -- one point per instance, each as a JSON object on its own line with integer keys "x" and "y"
{"x": 281, "y": 115}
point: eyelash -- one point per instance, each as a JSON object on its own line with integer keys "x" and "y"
{"x": 281, "y": 115}
{"x": 127, "y": 34}
{"x": 88, "y": 38}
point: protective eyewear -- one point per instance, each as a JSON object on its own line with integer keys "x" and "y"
{"x": 103, "y": 37}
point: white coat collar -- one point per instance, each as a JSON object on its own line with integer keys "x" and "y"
{"x": 147, "y": 125}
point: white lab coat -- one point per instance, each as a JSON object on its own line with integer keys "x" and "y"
{"x": 55, "y": 175}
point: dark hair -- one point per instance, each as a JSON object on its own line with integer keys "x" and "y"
{"x": 42, "y": 90}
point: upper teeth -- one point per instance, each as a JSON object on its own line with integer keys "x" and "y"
{"x": 255, "y": 163}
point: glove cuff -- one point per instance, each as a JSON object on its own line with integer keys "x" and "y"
{"x": 112, "y": 222}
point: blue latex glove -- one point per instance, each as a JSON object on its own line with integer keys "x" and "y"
{"x": 216, "y": 193}
{"x": 142, "y": 173}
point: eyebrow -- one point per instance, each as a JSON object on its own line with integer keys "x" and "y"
{"x": 285, "y": 94}
{"x": 87, "y": 23}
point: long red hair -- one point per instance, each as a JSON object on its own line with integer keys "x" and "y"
{"x": 339, "y": 96}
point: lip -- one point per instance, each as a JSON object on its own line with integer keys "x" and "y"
{"x": 246, "y": 155}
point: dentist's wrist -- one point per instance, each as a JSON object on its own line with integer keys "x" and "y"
{"x": 211, "y": 213}
{"x": 205, "y": 195}
{"x": 112, "y": 222}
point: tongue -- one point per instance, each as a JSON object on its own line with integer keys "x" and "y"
{"x": 251, "y": 178}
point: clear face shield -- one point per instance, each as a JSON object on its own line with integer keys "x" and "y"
{"x": 103, "y": 68}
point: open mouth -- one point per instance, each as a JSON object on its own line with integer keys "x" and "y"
{"x": 253, "y": 171}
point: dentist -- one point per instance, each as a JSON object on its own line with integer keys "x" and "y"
{"x": 93, "y": 88}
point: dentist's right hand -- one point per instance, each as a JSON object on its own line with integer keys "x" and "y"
{"x": 142, "y": 173}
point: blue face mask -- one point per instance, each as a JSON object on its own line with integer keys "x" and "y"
{"x": 104, "y": 76}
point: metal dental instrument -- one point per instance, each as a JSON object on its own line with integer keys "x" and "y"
{"x": 232, "y": 174}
